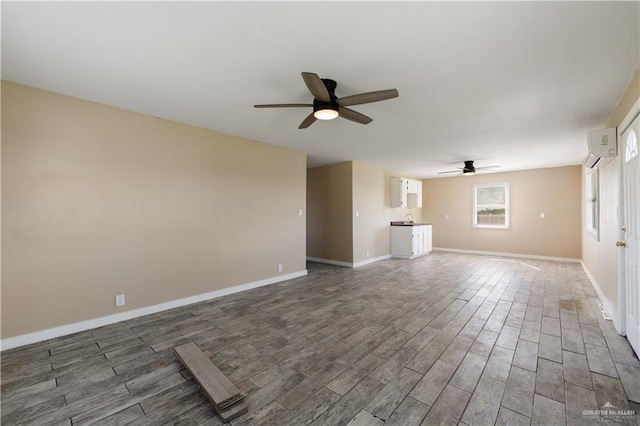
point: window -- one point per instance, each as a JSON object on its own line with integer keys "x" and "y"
{"x": 592, "y": 213}
{"x": 491, "y": 206}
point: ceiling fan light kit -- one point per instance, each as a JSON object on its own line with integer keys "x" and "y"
{"x": 326, "y": 114}
{"x": 327, "y": 106}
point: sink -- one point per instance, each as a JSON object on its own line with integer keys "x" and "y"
{"x": 402, "y": 222}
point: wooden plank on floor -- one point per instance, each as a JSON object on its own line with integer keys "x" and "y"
{"x": 225, "y": 397}
{"x": 211, "y": 380}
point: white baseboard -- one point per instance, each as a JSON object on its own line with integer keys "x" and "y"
{"x": 348, "y": 264}
{"x": 39, "y": 336}
{"x": 330, "y": 261}
{"x": 608, "y": 305}
{"x": 516, "y": 255}
{"x": 372, "y": 260}
{"x": 409, "y": 256}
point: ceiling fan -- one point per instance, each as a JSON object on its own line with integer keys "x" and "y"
{"x": 327, "y": 106}
{"x": 469, "y": 169}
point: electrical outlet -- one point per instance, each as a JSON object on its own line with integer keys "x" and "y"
{"x": 300, "y": 212}
{"x": 541, "y": 215}
{"x": 357, "y": 212}
{"x": 446, "y": 216}
{"x": 280, "y": 267}
{"x": 367, "y": 253}
{"x": 120, "y": 300}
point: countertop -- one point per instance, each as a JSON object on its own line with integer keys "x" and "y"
{"x": 401, "y": 223}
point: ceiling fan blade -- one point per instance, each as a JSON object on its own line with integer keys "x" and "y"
{"x": 282, "y": 105}
{"x": 365, "y": 98}
{"x": 450, "y": 171}
{"x": 307, "y": 121}
{"x": 352, "y": 115}
{"x": 487, "y": 167}
{"x": 316, "y": 86}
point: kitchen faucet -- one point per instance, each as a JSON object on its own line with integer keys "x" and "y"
{"x": 408, "y": 217}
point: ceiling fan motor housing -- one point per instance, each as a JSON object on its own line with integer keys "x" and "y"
{"x": 333, "y": 103}
{"x": 468, "y": 167}
{"x": 331, "y": 86}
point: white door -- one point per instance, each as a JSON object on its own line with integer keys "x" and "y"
{"x": 631, "y": 254}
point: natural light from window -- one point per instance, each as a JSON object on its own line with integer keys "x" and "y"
{"x": 632, "y": 147}
{"x": 491, "y": 206}
{"x": 592, "y": 209}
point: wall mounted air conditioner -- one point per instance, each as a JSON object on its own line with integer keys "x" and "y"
{"x": 602, "y": 146}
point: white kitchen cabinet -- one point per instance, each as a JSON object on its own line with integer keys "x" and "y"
{"x": 408, "y": 242}
{"x": 412, "y": 186}
{"x": 406, "y": 192}
{"x": 418, "y": 194}
{"x": 399, "y": 189}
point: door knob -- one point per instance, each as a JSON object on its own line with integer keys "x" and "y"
{"x": 621, "y": 243}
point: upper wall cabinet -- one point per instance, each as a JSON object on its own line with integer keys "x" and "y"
{"x": 406, "y": 192}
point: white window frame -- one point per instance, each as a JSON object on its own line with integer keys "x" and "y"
{"x": 592, "y": 203}
{"x": 505, "y": 206}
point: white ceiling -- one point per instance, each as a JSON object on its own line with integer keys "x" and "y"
{"x": 516, "y": 84}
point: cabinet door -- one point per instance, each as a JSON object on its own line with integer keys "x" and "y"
{"x": 413, "y": 194}
{"x": 398, "y": 192}
{"x": 401, "y": 241}
{"x": 417, "y": 240}
{"x": 403, "y": 193}
{"x": 425, "y": 249}
{"x": 410, "y": 186}
{"x": 428, "y": 238}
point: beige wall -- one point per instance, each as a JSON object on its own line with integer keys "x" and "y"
{"x": 554, "y": 192}
{"x": 601, "y": 256}
{"x": 334, "y": 193}
{"x": 329, "y": 201}
{"x": 98, "y": 201}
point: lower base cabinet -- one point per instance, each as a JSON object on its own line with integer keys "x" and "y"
{"x": 408, "y": 242}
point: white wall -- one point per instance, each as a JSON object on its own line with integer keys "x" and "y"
{"x": 601, "y": 257}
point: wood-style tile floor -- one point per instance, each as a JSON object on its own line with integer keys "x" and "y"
{"x": 443, "y": 339}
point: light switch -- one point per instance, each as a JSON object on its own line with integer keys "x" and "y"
{"x": 446, "y": 216}
{"x": 541, "y": 215}
{"x": 357, "y": 212}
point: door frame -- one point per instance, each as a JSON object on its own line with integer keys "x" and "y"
{"x": 622, "y": 293}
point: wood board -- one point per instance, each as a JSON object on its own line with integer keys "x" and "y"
{"x": 224, "y": 395}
